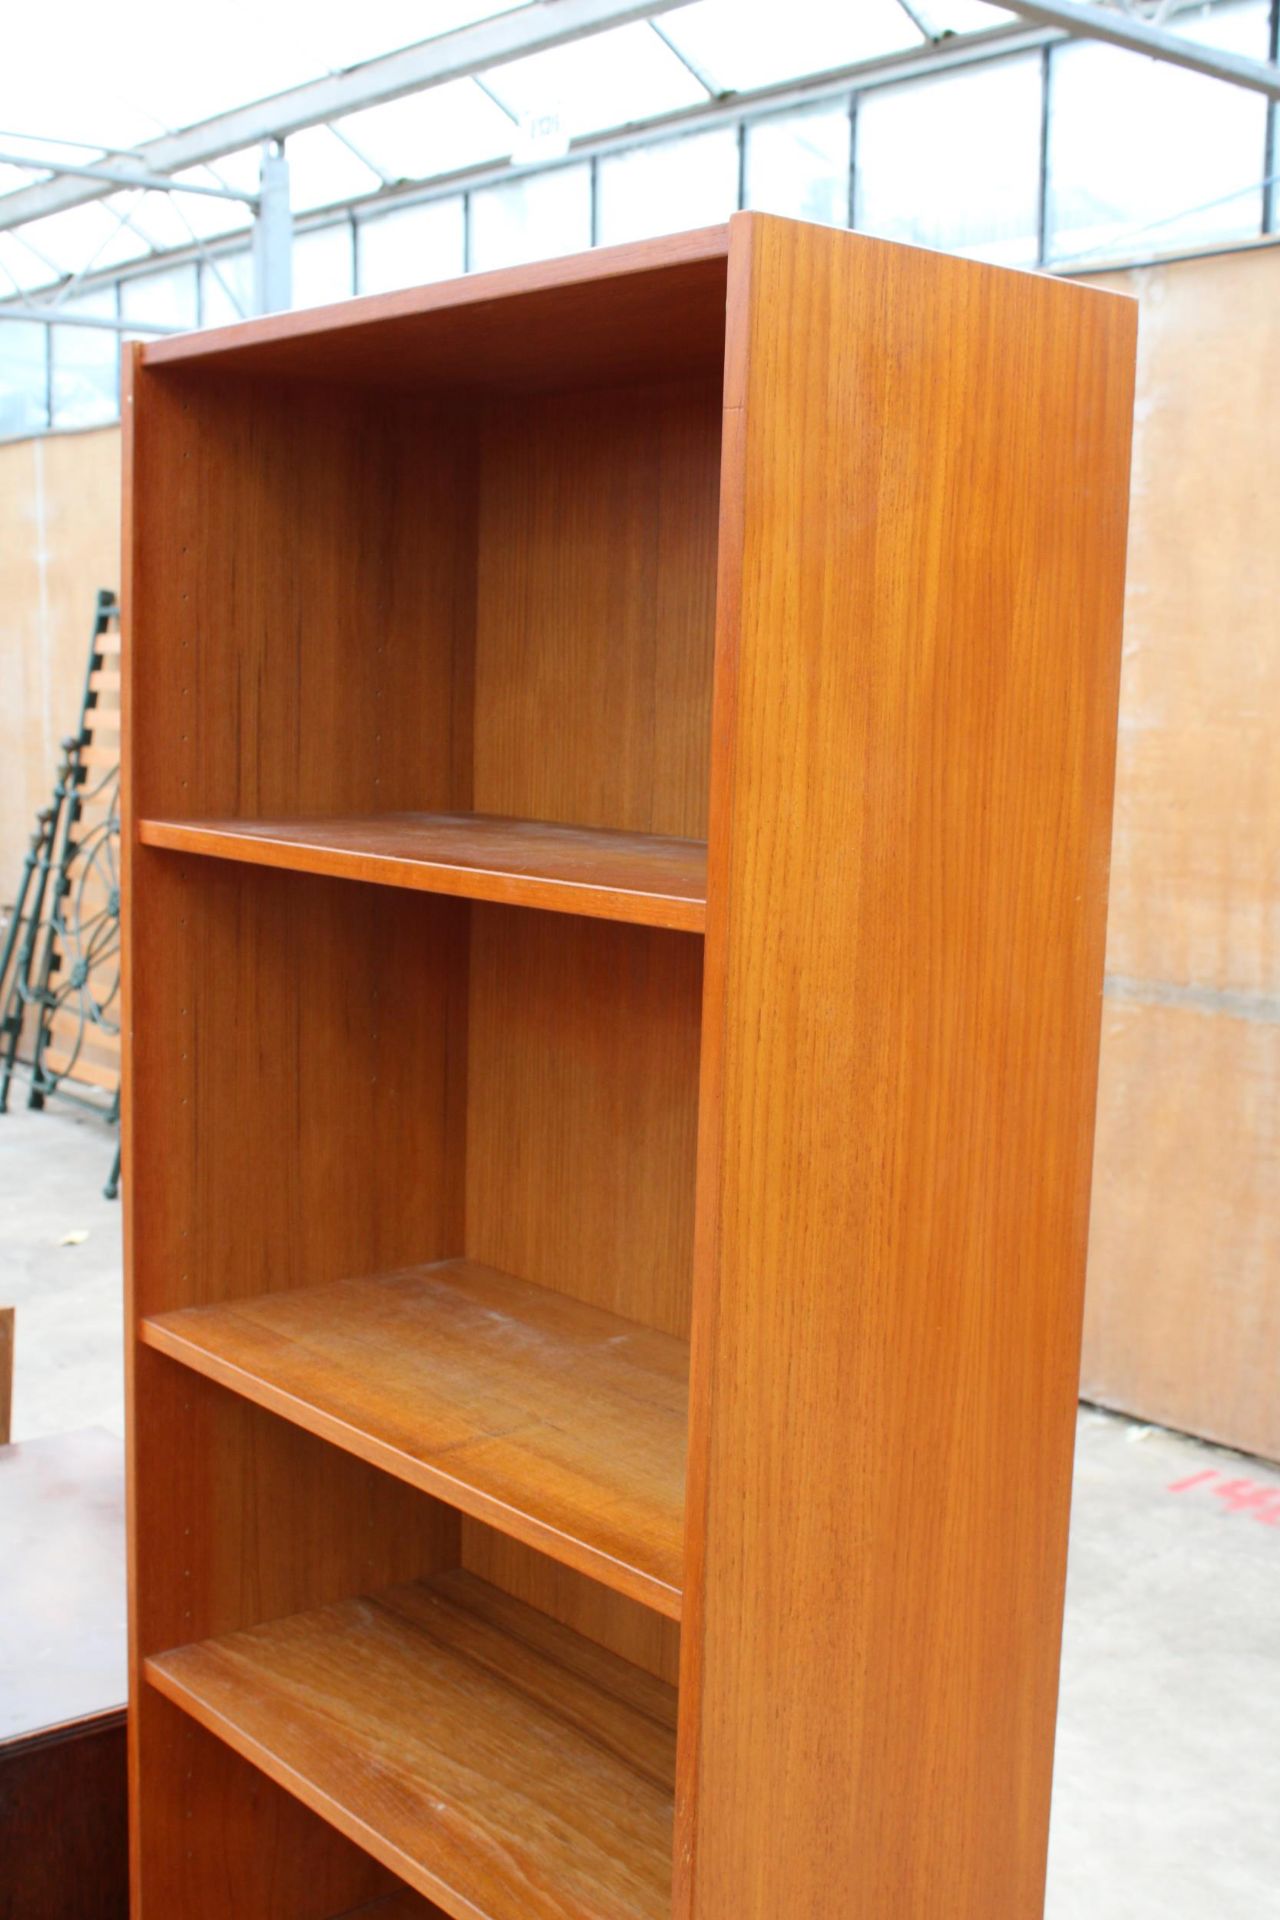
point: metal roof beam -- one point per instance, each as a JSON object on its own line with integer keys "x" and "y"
{"x": 1123, "y": 30}
{"x": 450, "y": 56}
{"x": 951, "y": 53}
{"x": 55, "y": 317}
{"x": 117, "y": 177}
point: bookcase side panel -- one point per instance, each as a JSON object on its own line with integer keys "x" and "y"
{"x": 917, "y": 672}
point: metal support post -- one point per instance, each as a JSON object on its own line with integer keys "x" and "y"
{"x": 273, "y": 234}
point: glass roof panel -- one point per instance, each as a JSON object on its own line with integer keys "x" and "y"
{"x": 70, "y": 68}
{"x": 348, "y": 35}
{"x": 1238, "y": 29}
{"x": 603, "y": 81}
{"x": 178, "y": 219}
{"x": 323, "y": 171}
{"x": 960, "y": 16}
{"x": 209, "y": 218}
{"x": 64, "y": 74}
{"x": 152, "y": 217}
{"x": 749, "y": 43}
{"x": 451, "y": 126}
{"x": 82, "y": 236}
{"x": 19, "y": 268}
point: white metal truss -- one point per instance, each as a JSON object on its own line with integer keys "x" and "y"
{"x": 450, "y": 56}
{"x": 472, "y": 51}
{"x": 1120, "y": 28}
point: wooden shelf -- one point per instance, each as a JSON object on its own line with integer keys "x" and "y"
{"x": 493, "y": 1760}
{"x": 647, "y": 879}
{"x": 560, "y": 1424}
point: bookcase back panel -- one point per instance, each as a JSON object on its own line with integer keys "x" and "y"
{"x": 298, "y": 1077}
{"x": 625, "y": 1626}
{"x": 595, "y": 607}
{"x": 214, "y": 1837}
{"x": 243, "y": 1517}
{"x": 302, "y": 605}
{"x": 582, "y": 1108}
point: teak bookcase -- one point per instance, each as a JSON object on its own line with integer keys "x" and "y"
{"x": 619, "y": 764}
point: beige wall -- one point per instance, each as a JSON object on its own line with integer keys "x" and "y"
{"x": 59, "y": 542}
{"x": 1183, "y": 1319}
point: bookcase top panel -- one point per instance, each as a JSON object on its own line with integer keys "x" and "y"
{"x": 651, "y": 308}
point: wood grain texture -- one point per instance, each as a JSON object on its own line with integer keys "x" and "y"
{"x": 409, "y": 1720}
{"x": 64, "y": 1828}
{"x": 238, "y": 1843}
{"x": 302, "y": 600}
{"x": 1195, "y": 890}
{"x": 636, "y": 1632}
{"x": 239, "y": 1517}
{"x": 310, "y": 1110}
{"x": 398, "y": 1906}
{"x": 1182, "y": 1310}
{"x": 924, "y": 526}
{"x": 595, "y": 607}
{"x": 582, "y": 1095}
{"x": 560, "y": 1424}
{"x": 301, "y": 635}
{"x": 643, "y": 879}
{"x": 617, "y": 314}
{"x": 1182, "y": 1321}
{"x": 455, "y": 550}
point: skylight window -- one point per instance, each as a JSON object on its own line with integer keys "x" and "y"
{"x": 749, "y": 43}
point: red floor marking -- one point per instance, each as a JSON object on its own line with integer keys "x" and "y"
{"x": 1197, "y": 1479}
{"x": 1255, "y": 1497}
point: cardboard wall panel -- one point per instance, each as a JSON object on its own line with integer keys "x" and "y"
{"x": 59, "y": 542}
{"x": 1183, "y": 1304}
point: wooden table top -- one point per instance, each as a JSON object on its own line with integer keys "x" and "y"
{"x": 62, "y": 1580}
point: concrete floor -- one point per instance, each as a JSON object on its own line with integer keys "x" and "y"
{"x": 1167, "y": 1790}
